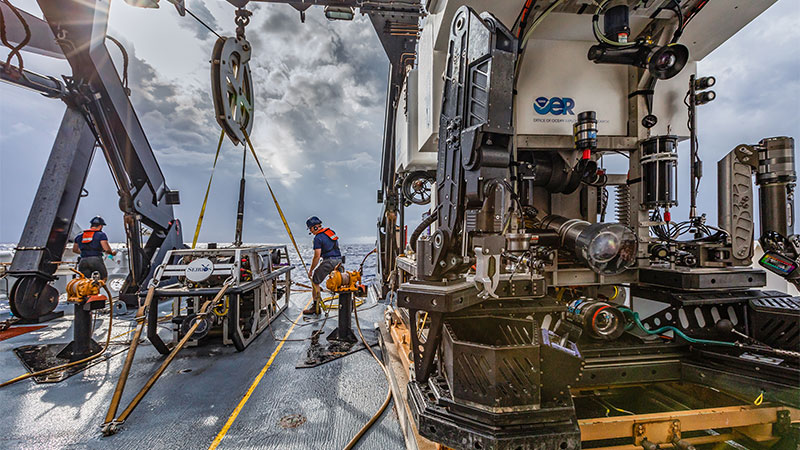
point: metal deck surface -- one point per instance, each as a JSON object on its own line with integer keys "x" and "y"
{"x": 193, "y": 401}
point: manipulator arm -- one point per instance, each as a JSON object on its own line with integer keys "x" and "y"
{"x": 773, "y": 162}
{"x": 475, "y": 133}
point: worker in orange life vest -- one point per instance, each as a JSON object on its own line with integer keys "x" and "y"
{"x": 92, "y": 244}
{"x": 326, "y": 248}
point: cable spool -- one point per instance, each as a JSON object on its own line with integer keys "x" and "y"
{"x": 601, "y": 320}
{"x": 660, "y": 171}
{"x": 343, "y": 281}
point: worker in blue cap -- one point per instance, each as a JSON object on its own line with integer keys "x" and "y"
{"x": 326, "y": 249}
{"x": 92, "y": 244}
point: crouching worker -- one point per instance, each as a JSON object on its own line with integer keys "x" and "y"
{"x": 92, "y": 244}
{"x": 326, "y": 249}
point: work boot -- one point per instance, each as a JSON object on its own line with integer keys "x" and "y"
{"x": 313, "y": 309}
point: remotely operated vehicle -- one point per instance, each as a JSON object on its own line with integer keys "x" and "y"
{"x": 259, "y": 291}
{"x": 550, "y": 298}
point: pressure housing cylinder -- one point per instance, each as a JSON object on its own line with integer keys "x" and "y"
{"x": 660, "y": 171}
{"x": 616, "y": 23}
{"x": 776, "y": 177}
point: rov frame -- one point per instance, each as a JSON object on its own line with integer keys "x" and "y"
{"x": 259, "y": 293}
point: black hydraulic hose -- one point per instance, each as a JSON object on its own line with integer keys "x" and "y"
{"x": 417, "y": 231}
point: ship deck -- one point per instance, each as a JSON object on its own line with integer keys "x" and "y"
{"x": 211, "y": 395}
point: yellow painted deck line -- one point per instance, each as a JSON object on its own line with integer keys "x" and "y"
{"x": 252, "y": 388}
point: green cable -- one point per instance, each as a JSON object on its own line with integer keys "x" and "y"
{"x": 539, "y": 20}
{"x": 635, "y": 316}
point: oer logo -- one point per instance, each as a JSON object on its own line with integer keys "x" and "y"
{"x": 554, "y": 105}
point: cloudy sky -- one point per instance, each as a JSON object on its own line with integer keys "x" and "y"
{"x": 320, "y": 90}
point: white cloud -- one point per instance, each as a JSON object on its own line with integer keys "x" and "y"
{"x": 356, "y": 161}
{"x": 16, "y": 129}
{"x": 320, "y": 96}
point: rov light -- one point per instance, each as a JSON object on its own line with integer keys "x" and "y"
{"x": 704, "y": 97}
{"x": 339, "y": 13}
{"x": 704, "y": 83}
{"x": 662, "y": 62}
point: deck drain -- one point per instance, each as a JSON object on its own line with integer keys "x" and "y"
{"x": 185, "y": 370}
{"x": 292, "y": 420}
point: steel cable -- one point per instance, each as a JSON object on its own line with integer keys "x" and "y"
{"x": 15, "y": 50}
{"x": 202, "y": 23}
{"x": 125, "y": 61}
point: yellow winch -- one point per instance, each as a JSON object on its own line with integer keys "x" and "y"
{"x": 82, "y": 288}
{"x": 349, "y": 281}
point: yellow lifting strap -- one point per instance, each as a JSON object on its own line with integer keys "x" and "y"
{"x": 275, "y": 200}
{"x": 208, "y": 188}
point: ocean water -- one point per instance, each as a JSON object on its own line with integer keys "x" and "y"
{"x": 353, "y": 253}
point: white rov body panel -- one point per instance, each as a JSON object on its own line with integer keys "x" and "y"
{"x": 408, "y": 155}
{"x": 557, "y": 82}
{"x": 442, "y": 12}
{"x": 431, "y": 59}
{"x": 430, "y": 65}
{"x": 402, "y": 144}
{"x": 555, "y": 65}
{"x": 715, "y": 24}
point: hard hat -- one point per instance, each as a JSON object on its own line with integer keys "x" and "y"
{"x": 313, "y": 220}
{"x": 97, "y": 220}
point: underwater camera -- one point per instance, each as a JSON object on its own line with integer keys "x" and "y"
{"x": 663, "y": 62}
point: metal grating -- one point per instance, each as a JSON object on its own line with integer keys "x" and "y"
{"x": 776, "y": 321}
{"x": 492, "y": 362}
{"x": 777, "y": 304}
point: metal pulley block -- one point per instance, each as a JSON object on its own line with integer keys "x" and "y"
{"x": 232, "y": 87}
